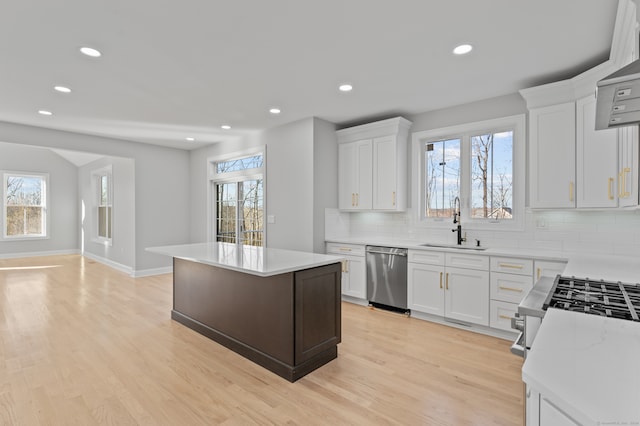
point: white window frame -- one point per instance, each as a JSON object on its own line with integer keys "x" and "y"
{"x": 45, "y": 206}
{"x": 515, "y": 123}
{"x": 95, "y": 181}
{"x": 214, "y": 178}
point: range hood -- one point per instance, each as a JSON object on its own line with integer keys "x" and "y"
{"x": 618, "y": 101}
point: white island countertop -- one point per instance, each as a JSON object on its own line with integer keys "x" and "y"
{"x": 588, "y": 367}
{"x": 253, "y": 260}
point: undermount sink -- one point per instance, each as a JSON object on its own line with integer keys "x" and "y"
{"x": 453, "y": 246}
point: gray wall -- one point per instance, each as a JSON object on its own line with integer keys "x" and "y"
{"x": 161, "y": 182}
{"x": 63, "y": 199}
{"x": 325, "y": 177}
{"x": 122, "y": 249}
{"x": 301, "y": 181}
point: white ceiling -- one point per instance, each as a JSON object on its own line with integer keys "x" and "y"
{"x": 172, "y": 69}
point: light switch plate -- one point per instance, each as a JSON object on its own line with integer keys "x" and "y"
{"x": 271, "y": 219}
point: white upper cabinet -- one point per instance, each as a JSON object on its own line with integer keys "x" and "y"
{"x": 372, "y": 166}
{"x": 552, "y": 142}
{"x": 629, "y": 161}
{"x": 596, "y": 159}
{"x": 355, "y": 161}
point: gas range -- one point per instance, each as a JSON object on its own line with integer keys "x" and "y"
{"x": 595, "y": 297}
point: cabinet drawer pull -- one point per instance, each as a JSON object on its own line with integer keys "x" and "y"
{"x": 519, "y": 290}
{"x": 440, "y": 279}
{"x": 345, "y": 249}
{"x": 509, "y": 265}
{"x": 507, "y": 317}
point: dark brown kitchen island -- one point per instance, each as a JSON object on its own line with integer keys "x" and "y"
{"x": 278, "y": 308}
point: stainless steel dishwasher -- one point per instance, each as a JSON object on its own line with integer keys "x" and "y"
{"x": 387, "y": 277}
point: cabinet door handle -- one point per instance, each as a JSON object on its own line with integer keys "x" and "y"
{"x": 570, "y": 191}
{"x": 519, "y": 290}
{"x": 353, "y": 199}
{"x": 440, "y": 279}
{"x": 446, "y": 286}
{"x": 538, "y": 274}
{"x": 357, "y": 199}
{"x": 620, "y": 190}
{"x": 510, "y": 265}
{"x": 346, "y": 266}
{"x": 624, "y": 182}
{"x": 610, "y": 188}
{"x": 394, "y": 199}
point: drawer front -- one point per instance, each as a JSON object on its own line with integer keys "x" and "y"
{"x": 468, "y": 261}
{"x": 500, "y": 314}
{"x": 512, "y": 265}
{"x": 427, "y": 257}
{"x": 509, "y": 287}
{"x": 345, "y": 249}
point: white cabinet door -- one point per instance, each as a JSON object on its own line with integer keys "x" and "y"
{"x": 546, "y": 268}
{"x": 552, "y": 144}
{"x": 385, "y": 173}
{"x": 596, "y": 159}
{"x": 467, "y": 295}
{"x": 347, "y": 176}
{"x": 426, "y": 288}
{"x": 550, "y": 415}
{"x": 628, "y": 166}
{"x": 355, "y": 173}
{"x": 354, "y": 271}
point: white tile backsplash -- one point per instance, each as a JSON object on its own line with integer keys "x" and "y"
{"x": 607, "y": 232}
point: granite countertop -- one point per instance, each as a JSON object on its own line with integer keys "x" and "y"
{"x": 249, "y": 259}
{"x": 587, "y": 366}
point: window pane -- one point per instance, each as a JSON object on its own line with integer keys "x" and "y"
{"x": 252, "y": 202}
{"x": 104, "y": 190}
{"x": 104, "y": 222}
{"x": 492, "y": 175}
{"x": 226, "y": 204}
{"x": 24, "y": 206}
{"x": 442, "y": 174}
{"x": 247, "y": 163}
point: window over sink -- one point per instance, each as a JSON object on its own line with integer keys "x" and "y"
{"x": 482, "y": 163}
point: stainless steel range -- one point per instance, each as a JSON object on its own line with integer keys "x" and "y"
{"x": 584, "y": 295}
{"x": 610, "y": 299}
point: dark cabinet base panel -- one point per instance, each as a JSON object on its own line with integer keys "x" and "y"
{"x": 291, "y": 373}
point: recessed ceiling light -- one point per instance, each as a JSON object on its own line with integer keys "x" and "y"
{"x": 345, "y": 88}
{"x": 225, "y": 127}
{"x": 44, "y": 112}
{"x": 90, "y": 51}
{"x": 62, "y": 89}
{"x": 274, "y": 111}
{"x": 462, "y": 49}
{"x": 190, "y": 139}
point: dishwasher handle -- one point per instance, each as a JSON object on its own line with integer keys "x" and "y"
{"x": 387, "y": 252}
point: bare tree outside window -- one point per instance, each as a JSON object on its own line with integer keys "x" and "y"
{"x": 24, "y": 204}
{"x": 492, "y": 175}
{"x": 240, "y": 202}
{"x": 442, "y": 174}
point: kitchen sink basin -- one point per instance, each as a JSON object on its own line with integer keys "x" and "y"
{"x": 453, "y": 246}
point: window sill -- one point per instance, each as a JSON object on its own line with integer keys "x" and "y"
{"x": 25, "y": 238}
{"x": 103, "y": 242}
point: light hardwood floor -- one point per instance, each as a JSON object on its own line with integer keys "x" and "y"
{"x": 84, "y": 344}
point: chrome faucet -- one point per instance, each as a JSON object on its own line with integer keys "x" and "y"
{"x": 457, "y": 219}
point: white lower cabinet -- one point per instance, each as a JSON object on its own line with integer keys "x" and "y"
{"x": 452, "y": 292}
{"x": 511, "y": 280}
{"x": 541, "y": 411}
{"x": 354, "y": 278}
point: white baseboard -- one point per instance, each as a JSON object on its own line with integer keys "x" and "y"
{"x": 38, "y": 254}
{"x": 115, "y": 265}
{"x": 150, "y": 272}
